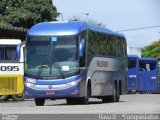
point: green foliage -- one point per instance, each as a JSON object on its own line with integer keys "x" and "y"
{"x": 76, "y": 18}
{"x": 26, "y": 13}
{"x": 152, "y": 50}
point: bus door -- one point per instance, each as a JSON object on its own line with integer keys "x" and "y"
{"x": 133, "y": 71}
{"x": 148, "y": 74}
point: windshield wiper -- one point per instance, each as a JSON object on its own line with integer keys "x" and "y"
{"x": 44, "y": 65}
{"x": 59, "y": 69}
{"x": 56, "y": 65}
{"x": 40, "y": 69}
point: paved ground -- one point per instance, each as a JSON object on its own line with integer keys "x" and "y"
{"x": 129, "y": 104}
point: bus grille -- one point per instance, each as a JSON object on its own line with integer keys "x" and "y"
{"x": 8, "y": 84}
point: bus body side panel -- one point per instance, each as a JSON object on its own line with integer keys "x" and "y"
{"x": 148, "y": 79}
{"x": 103, "y": 72}
{"x": 11, "y": 78}
{"x": 133, "y": 79}
{"x": 133, "y": 73}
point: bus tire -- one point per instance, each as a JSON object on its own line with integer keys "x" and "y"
{"x": 3, "y": 97}
{"x": 39, "y": 101}
{"x": 70, "y": 101}
{"x": 85, "y": 99}
{"x": 116, "y": 95}
{"x": 19, "y": 97}
{"x": 113, "y": 98}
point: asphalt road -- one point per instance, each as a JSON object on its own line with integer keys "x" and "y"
{"x": 129, "y": 104}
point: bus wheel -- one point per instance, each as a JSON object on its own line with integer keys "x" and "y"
{"x": 116, "y": 95}
{"x": 85, "y": 99}
{"x": 70, "y": 101}
{"x": 114, "y": 98}
{"x": 18, "y": 97}
{"x": 3, "y": 97}
{"x": 39, "y": 101}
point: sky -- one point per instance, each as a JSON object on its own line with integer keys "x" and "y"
{"x": 118, "y": 15}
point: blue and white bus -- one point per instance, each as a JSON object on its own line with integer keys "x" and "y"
{"x": 142, "y": 74}
{"x": 74, "y": 61}
{"x": 133, "y": 73}
{"x": 148, "y": 75}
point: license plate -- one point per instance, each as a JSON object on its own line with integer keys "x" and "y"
{"x": 50, "y": 93}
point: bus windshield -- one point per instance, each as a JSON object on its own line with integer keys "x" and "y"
{"x": 132, "y": 62}
{"x": 52, "y": 57}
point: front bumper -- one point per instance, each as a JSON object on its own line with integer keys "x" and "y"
{"x": 53, "y": 89}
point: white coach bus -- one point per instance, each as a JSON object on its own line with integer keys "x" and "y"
{"x": 11, "y": 70}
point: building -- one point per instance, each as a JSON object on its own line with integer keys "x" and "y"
{"x": 134, "y": 51}
{"x": 12, "y": 33}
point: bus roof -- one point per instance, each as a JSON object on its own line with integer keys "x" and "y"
{"x": 10, "y": 41}
{"x": 155, "y": 59}
{"x": 133, "y": 56}
{"x": 66, "y": 28}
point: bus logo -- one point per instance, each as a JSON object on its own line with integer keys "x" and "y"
{"x": 102, "y": 63}
{"x": 50, "y": 87}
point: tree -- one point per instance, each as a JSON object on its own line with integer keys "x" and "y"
{"x": 77, "y": 18}
{"x": 26, "y": 13}
{"x": 152, "y": 50}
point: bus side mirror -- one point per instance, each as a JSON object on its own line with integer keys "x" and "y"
{"x": 81, "y": 48}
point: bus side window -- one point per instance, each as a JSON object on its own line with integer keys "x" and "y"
{"x": 147, "y": 65}
{"x": 142, "y": 66}
{"x": 153, "y": 65}
{"x": 1, "y": 53}
{"x": 83, "y": 59}
{"x": 10, "y": 53}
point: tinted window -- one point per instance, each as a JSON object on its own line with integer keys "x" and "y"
{"x": 132, "y": 62}
{"x": 104, "y": 44}
{"x": 10, "y": 53}
{"x": 54, "y": 57}
{"x": 1, "y": 53}
{"x": 147, "y": 65}
{"x": 98, "y": 44}
{"x": 7, "y": 53}
{"x": 82, "y": 59}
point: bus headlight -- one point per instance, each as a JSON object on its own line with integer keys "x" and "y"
{"x": 31, "y": 85}
{"x": 29, "y": 80}
{"x": 73, "y": 83}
